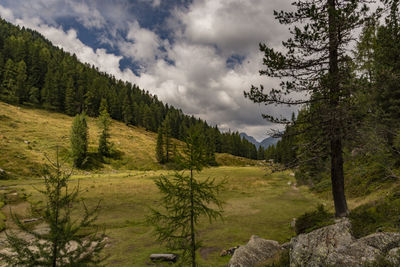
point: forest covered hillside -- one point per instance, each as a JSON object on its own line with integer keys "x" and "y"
{"x": 36, "y": 73}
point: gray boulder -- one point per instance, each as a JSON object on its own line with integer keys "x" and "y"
{"x": 334, "y": 245}
{"x": 312, "y": 249}
{"x": 256, "y": 251}
{"x": 381, "y": 241}
{"x": 393, "y": 256}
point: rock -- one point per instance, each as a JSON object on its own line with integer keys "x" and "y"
{"x": 334, "y": 245}
{"x": 256, "y": 251}
{"x": 312, "y": 249}
{"x": 286, "y": 245}
{"x": 352, "y": 255}
{"x": 393, "y": 256}
{"x": 293, "y": 223}
{"x": 164, "y": 257}
{"x": 381, "y": 241}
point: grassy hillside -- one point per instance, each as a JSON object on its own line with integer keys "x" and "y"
{"x": 27, "y": 134}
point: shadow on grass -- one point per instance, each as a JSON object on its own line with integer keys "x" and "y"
{"x": 93, "y": 161}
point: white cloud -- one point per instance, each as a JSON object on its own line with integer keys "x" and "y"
{"x": 142, "y": 45}
{"x": 90, "y": 17}
{"x": 6, "y": 13}
{"x": 235, "y": 26}
{"x": 156, "y": 3}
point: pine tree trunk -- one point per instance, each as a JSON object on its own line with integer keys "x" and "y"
{"x": 337, "y": 178}
{"x": 337, "y": 175}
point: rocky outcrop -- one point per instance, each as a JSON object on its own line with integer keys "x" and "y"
{"x": 334, "y": 245}
{"x": 393, "y": 256}
{"x": 257, "y": 250}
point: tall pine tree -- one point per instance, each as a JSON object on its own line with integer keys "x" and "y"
{"x": 316, "y": 64}
{"x": 185, "y": 200}
{"x": 79, "y": 140}
{"x": 160, "y": 146}
{"x": 104, "y": 125}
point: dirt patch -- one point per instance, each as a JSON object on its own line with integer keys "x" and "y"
{"x": 205, "y": 251}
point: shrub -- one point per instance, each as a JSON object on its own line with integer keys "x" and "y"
{"x": 376, "y": 216}
{"x": 310, "y": 221}
{"x": 283, "y": 260}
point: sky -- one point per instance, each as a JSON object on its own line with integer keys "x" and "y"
{"x": 197, "y": 55}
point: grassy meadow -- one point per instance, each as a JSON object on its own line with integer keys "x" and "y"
{"x": 256, "y": 202}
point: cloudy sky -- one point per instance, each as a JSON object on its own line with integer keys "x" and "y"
{"x": 198, "y": 55}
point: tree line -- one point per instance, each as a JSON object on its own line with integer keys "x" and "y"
{"x": 34, "y": 72}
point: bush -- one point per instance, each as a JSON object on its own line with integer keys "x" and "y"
{"x": 310, "y": 221}
{"x": 377, "y": 216}
{"x": 283, "y": 261}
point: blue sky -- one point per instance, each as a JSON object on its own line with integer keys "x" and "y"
{"x": 198, "y": 55}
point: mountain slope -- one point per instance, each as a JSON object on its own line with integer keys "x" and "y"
{"x": 269, "y": 141}
{"x": 251, "y": 139}
{"x": 27, "y": 135}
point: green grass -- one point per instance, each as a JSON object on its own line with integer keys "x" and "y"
{"x": 255, "y": 203}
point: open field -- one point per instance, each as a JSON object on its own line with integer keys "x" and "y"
{"x": 255, "y": 203}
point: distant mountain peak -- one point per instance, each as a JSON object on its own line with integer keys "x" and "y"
{"x": 269, "y": 141}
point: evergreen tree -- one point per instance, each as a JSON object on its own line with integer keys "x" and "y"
{"x": 79, "y": 140}
{"x": 127, "y": 113}
{"x": 160, "y": 146}
{"x": 104, "y": 125}
{"x": 387, "y": 69}
{"x": 9, "y": 84}
{"x": 148, "y": 119}
{"x": 65, "y": 244}
{"x": 210, "y": 147}
{"x": 260, "y": 153}
{"x": 70, "y": 98}
{"x": 315, "y": 63}
{"x": 185, "y": 200}
{"x": 34, "y": 95}
{"x": 21, "y": 83}
{"x": 167, "y": 132}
